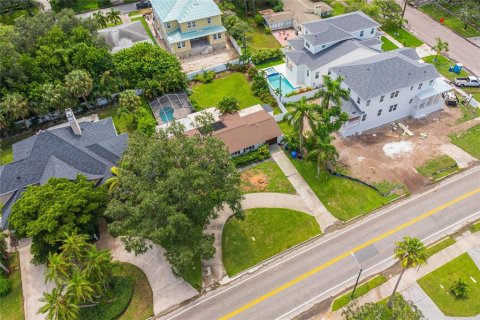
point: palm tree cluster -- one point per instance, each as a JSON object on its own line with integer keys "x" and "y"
{"x": 323, "y": 119}
{"x": 112, "y": 16}
{"x": 440, "y": 47}
{"x": 81, "y": 275}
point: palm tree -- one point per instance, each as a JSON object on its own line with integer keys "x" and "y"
{"x": 58, "y": 306}
{"x": 332, "y": 91}
{"x": 79, "y": 84}
{"x": 73, "y": 248}
{"x": 98, "y": 267}
{"x": 440, "y": 47}
{"x": 58, "y": 269}
{"x": 15, "y": 105}
{"x": 113, "y": 16}
{"x": 321, "y": 149}
{"x": 112, "y": 182}
{"x": 129, "y": 103}
{"x": 100, "y": 18}
{"x": 228, "y": 105}
{"x": 80, "y": 288}
{"x": 301, "y": 110}
{"x": 411, "y": 253}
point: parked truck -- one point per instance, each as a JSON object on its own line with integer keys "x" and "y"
{"x": 467, "y": 82}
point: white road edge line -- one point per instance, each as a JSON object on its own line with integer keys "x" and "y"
{"x": 374, "y": 266}
{"x": 327, "y": 239}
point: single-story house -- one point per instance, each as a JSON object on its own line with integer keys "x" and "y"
{"x": 79, "y": 148}
{"x": 124, "y": 36}
{"x": 277, "y": 20}
{"x": 322, "y": 9}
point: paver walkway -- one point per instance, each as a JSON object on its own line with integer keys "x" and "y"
{"x": 462, "y": 158}
{"x": 324, "y": 218}
{"x": 466, "y": 244}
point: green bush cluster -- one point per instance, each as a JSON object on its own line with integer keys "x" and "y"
{"x": 237, "y": 67}
{"x": 260, "y": 86}
{"x": 114, "y": 304}
{"x": 460, "y": 288}
{"x": 262, "y": 55}
{"x": 277, "y": 5}
{"x": 206, "y": 76}
{"x": 253, "y": 156}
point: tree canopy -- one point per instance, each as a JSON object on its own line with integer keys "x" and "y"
{"x": 401, "y": 310}
{"x": 59, "y": 207}
{"x": 169, "y": 187}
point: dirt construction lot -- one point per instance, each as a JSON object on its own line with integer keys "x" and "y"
{"x": 387, "y": 154}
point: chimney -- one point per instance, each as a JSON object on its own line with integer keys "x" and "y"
{"x": 73, "y": 122}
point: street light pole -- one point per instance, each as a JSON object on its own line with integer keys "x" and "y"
{"x": 359, "y": 274}
{"x": 404, "y": 8}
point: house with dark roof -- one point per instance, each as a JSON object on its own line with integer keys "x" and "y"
{"x": 78, "y": 148}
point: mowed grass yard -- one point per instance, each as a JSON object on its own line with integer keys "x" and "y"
{"x": 264, "y": 233}
{"x": 468, "y": 141}
{"x": 388, "y": 45}
{"x": 451, "y": 21}
{"x": 437, "y": 285}
{"x": 404, "y": 37}
{"x": 344, "y": 198}
{"x": 442, "y": 64}
{"x": 141, "y": 305}
{"x": 265, "y": 177}
{"x": 258, "y": 38}
{"x": 438, "y": 168}
{"x": 228, "y": 84}
{"x": 11, "y": 305}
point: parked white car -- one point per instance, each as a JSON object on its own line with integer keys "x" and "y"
{"x": 467, "y": 82}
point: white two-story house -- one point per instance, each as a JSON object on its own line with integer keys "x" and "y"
{"x": 330, "y": 42}
{"x": 388, "y": 87}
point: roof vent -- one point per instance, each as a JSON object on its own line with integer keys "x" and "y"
{"x": 73, "y": 122}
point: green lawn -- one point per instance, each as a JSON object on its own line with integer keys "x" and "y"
{"x": 437, "y": 285}
{"x": 258, "y": 38}
{"x": 431, "y": 167}
{"x": 266, "y": 177}
{"x": 264, "y": 233}
{"x": 468, "y": 113}
{"x": 443, "y": 64}
{"x": 404, "y": 37}
{"x": 228, "y": 85}
{"x": 9, "y": 18}
{"x": 6, "y": 152}
{"x": 134, "y": 13}
{"x": 269, "y": 64}
{"x": 194, "y": 274}
{"x": 124, "y": 123}
{"x": 388, "y": 45}
{"x": 141, "y": 305}
{"x": 284, "y": 126}
{"x": 147, "y": 28}
{"x": 468, "y": 141}
{"x": 87, "y": 5}
{"x": 439, "y": 246}
{"x": 360, "y": 291}
{"x": 344, "y": 198}
{"x": 451, "y": 21}
{"x": 476, "y": 227}
{"x": 11, "y": 305}
{"x": 338, "y": 9}
{"x": 113, "y": 24}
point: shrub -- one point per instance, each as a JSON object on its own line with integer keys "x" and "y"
{"x": 460, "y": 288}
{"x": 258, "y": 19}
{"x": 253, "y": 156}
{"x": 268, "y": 30}
{"x": 278, "y": 7}
{"x": 237, "y": 67}
{"x": 298, "y": 91}
{"x": 5, "y": 286}
{"x": 262, "y": 55}
{"x": 228, "y": 105}
{"x": 206, "y": 76}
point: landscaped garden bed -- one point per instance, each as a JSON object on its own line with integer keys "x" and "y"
{"x": 11, "y": 305}
{"x": 438, "y": 285}
{"x": 266, "y": 177}
{"x": 264, "y": 233}
{"x": 438, "y": 168}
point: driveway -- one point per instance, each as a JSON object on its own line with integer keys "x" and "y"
{"x": 427, "y": 29}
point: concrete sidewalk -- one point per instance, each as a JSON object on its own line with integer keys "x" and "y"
{"x": 407, "y": 286}
{"x": 324, "y": 218}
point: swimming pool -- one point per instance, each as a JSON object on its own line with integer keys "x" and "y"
{"x": 274, "y": 81}
{"x": 166, "y": 114}
{"x": 271, "y": 71}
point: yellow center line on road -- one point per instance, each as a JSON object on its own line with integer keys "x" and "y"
{"x": 346, "y": 254}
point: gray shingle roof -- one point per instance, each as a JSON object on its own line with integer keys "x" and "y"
{"x": 326, "y": 33}
{"x": 386, "y": 72}
{"x": 61, "y": 153}
{"x": 350, "y": 22}
{"x": 349, "y": 106}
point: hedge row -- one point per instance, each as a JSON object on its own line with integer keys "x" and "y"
{"x": 253, "y": 156}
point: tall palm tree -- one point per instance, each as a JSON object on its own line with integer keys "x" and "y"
{"x": 58, "y": 269}
{"x": 100, "y": 18}
{"x": 301, "y": 110}
{"x": 411, "y": 253}
{"x": 80, "y": 289}
{"x": 440, "y": 47}
{"x": 98, "y": 267}
{"x": 58, "y": 306}
{"x": 321, "y": 149}
{"x": 332, "y": 91}
{"x": 15, "y": 105}
{"x": 129, "y": 103}
{"x": 79, "y": 84}
{"x": 73, "y": 248}
{"x": 113, "y": 16}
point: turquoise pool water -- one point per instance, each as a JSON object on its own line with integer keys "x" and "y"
{"x": 166, "y": 114}
{"x": 274, "y": 81}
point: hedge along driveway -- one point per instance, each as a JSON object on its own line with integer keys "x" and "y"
{"x": 228, "y": 84}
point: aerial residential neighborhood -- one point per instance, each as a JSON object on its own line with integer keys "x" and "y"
{"x": 239, "y": 159}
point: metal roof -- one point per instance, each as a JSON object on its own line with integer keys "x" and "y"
{"x": 177, "y": 35}
{"x": 184, "y": 10}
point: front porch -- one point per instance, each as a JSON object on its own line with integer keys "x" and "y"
{"x": 430, "y": 100}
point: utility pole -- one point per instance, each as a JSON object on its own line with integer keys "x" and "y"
{"x": 404, "y": 8}
{"x": 359, "y": 274}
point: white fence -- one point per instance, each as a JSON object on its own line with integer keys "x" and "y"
{"x": 235, "y": 45}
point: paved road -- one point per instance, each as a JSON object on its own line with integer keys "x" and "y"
{"x": 427, "y": 29}
{"x": 325, "y": 267}
{"x": 123, "y": 8}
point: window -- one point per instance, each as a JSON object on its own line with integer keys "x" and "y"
{"x": 420, "y": 86}
{"x": 431, "y": 82}
{"x": 307, "y": 44}
{"x": 368, "y": 103}
{"x": 317, "y": 75}
{"x": 217, "y": 36}
{"x": 308, "y": 73}
{"x": 323, "y": 46}
{"x": 329, "y": 72}
{"x": 393, "y": 107}
{"x": 191, "y": 24}
{"x": 381, "y": 98}
{"x": 411, "y": 100}
{"x": 249, "y": 148}
{"x": 379, "y": 113}
{"x": 361, "y": 33}
{"x": 209, "y": 20}
{"x": 358, "y": 100}
{"x": 411, "y": 88}
{"x": 396, "y": 93}
{"x": 236, "y": 153}
{"x": 167, "y": 24}
{"x": 392, "y": 95}
{"x": 372, "y": 31}
{"x": 181, "y": 44}
{"x": 364, "y": 117}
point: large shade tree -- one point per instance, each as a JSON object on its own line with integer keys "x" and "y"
{"x": 169, "y": 187}
{"x": 61, "y": 206}
{"x": 79, "y": 83}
